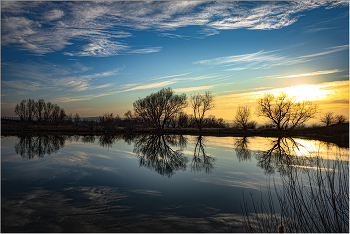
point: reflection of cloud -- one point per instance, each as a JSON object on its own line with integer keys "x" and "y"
{"x": 104, "y": 209}
{"x": 234, "y": 182}
{"x": 83, "y": 160}
{"x": 146, "y": 192}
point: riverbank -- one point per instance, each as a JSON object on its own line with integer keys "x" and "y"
{"x": 338, "y": 134}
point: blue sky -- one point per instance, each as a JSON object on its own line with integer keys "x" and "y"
{"x": 96, "y": 57}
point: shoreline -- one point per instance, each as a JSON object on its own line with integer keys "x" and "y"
{"x": 337, "y": 134}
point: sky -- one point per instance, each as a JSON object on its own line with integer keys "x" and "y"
{"x": 97, "y": 57}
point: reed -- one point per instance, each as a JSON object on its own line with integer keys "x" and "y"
{"x": 311, "y": 200}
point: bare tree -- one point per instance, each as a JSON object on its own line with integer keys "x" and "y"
{"x": 182, "y": 120}
{"x": 157, "y": 108}
{"x": 339, "y": 119}
{"x": 328, "y": 118}
{"x": 48, "y": 108}
{"x": 108, "y": 121}
{"x": 201, "y": 104}
{"x": 40, "y": 109}
{"x": 242, "y": 117}
{"x": 20, "y": 110}
{"x": 30, "y": 109}
{"x": 76, "y": 119}
{"x": 285, "y": 113}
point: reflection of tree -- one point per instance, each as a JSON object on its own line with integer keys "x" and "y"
{"x": 200, "y": 159}
{"x": 30, "y": 146}
{"x": 283, "y": 155}
{"x": 316, "y": 200}
{"x": 155, "y": 153}
{"x": 88, "y": 139}
{"x": 107, "y": 140}
{"x": 242, "y": 151}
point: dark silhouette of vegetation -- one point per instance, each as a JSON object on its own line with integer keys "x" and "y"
{"x": 200, "y": 105}
{"x": 328, "y": 118}
{"x": 163, "y": 112}
{"x": 316, "y": 200}
{"x": 155, "y": 153}
{"x": 109, "y": 122}
{"x": 158, "y": 108}
{"x": 340, "y": 119}
{"x": 201, "y": 160}
{"x": 242, "y": 118}
{"x": 284, "y": 112}
{"x": 28, "y": 110}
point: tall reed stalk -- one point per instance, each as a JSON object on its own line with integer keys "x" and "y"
{"x": 311, "y": 200}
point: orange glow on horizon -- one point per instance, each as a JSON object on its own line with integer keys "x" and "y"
{"x": 330, "y": 96}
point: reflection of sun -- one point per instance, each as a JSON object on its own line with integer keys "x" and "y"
{"x": 304, "y": 92}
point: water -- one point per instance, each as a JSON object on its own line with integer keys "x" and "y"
{"x": 142, "y": 183}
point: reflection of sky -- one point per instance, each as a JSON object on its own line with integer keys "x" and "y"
{"x": 106, "y": 189}
{"x": 306, "y": 147}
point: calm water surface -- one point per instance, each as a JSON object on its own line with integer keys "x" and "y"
{"x": 140, "y": 184}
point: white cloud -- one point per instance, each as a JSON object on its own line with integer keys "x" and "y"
{"x": 146, "y": 50}
{"x": 98, "y": 24}
{"x": 53, "y": 77}
{"x": 154, "y": 85}
{"x": 310, "y": 74}
{"x": 266, "y": 59}
{"x": 191, "y": 89}
{"x": 100, "y": 48}
{"x": 54, "y": 14}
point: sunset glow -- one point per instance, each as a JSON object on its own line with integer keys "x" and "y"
{"x": 305, "y": 92}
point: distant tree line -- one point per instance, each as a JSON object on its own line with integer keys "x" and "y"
{"x": 165, "y": 109}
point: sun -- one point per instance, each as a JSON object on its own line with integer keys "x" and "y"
{"x": 304, "y": 92}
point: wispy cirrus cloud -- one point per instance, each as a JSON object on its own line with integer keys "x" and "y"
{"x": 100, "y": 25}
{"x": 310, "y": 74}
{"x": 266, "y": 59}
{"x": 191, "y": 89}
{"x": 123, "y": 88}
{"x": 49, "y": 76}
{"x": 146, "y": 50}
{"x": 150, "y": 86}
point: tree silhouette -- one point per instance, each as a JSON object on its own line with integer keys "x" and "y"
{"x": 340, "y": 119}
{"x": 201, "y": 104}
{"x": 285, "y": 113}
{"x": 242, "y": 117}
{"x": 157, "y": 108}
{"x": 328, "y": 118}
